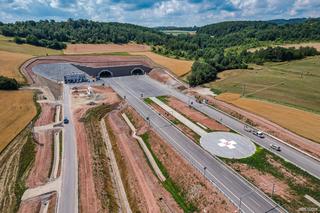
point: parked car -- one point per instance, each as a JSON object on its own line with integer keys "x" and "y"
{"x": 275, "y": 147}
{"x": 258, "y": 133}
{"x": 65, "y": 121}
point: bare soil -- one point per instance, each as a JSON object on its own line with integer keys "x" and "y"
{"x": 88, "y": 199}
{"x": 144, "y": 185}
{"x": 195, "y": 115}
{"x": 40, "y": 171}
{"x": 198, "y": 189}
{"x": 52, "y": 203}
{"x": 47, "y": 114}
{"x": 30, "y": 206}
{"x": 264, "y": 181}
{"x": 266, "y": 125}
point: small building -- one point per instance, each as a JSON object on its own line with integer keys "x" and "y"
{"x": 75, "y": 78}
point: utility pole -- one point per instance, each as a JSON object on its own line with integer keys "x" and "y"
{"x": 243, "y": 90}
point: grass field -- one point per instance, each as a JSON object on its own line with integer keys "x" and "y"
{"x": 6, "y": 44}
{"x": 178, "y": 32}
{"x": 177, "y": 66}
{"x": 307, "y": 44}
{"x": 287, "y": 117}
{"x": 16, "y": 111}
{"x": 295, "y": 83}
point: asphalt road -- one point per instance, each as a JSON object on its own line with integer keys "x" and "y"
{"x": 230, "y": 183}
{"x": 68, "y": 197}
{"x": 299, "y": 159}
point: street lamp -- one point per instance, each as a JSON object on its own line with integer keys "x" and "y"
{"x": 204, "y": 171}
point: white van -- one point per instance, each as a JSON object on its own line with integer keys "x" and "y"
{"x": 275, "y": 147}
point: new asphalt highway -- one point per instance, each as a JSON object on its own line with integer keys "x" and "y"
{"x": 68, "y": 196}
{"x": 288, "y": 153}
{"x": 236, "y": 188}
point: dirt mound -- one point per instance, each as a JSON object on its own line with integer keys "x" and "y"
{"x": 47, "y": 114}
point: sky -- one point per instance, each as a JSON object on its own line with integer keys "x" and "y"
{"x": 158, "y": 13}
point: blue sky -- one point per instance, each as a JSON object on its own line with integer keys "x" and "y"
{"x": 158, "y": 13}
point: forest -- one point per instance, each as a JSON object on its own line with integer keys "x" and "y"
{"x": 208, "y": 46}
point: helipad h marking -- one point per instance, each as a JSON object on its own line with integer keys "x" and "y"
{"x": 226, "y": 143}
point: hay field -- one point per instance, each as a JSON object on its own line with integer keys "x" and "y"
{"x": 105, "y": 48}
{"x": 10, "y": 63}
{"x": 6, "y": 44}
{"x": 16, "y": 111}
{"x": 300, "y": 83}
{"x": 301, "y": 122}
{"x": 306, "y": 44}
{"x": 178, "y": 67}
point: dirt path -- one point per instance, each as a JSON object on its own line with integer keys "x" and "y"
{"x": 268, "y": 126}
{"x": 145, "y": 185}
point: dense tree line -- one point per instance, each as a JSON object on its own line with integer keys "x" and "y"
{"x": 206, "y": 46}
{"x": 277, "y": 54}
{"x": 8, "y": 83}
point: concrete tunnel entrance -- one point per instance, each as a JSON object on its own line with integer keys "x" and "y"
{"x": 137, "y": 71}
{"x": 105, "y": 74}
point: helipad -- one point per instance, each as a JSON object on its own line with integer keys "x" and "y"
{"x": 227, "y": 145}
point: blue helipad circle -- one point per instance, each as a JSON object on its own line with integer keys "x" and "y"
{"x": 227, "y": 145}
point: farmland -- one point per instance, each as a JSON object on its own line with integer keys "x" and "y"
{"x": 294, "y": 83}
{"x": 10, "y": 63}
{"x": 15, "y": 113}
{"x": 282, "y": 115}
{"x": 178, "y": 67}
{"x": 6, "y": 44}
{"x": 105, "y": 48}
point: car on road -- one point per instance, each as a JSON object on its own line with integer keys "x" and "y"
{"x": 275, "y": 147}
{"x": 65, "y": 120}
{"x": 258, "y": 133}
{"x": 247, "y": 128}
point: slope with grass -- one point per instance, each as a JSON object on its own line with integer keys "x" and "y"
{"x": 7, "y": 44}
{"x": 295, "y": 83}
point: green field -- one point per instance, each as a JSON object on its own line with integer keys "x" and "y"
{"x": 7, "y": 44}
{"x": 300, "y": 83}
{"x": 177, "y": 32}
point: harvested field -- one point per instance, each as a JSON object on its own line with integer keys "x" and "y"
{"x": 195, "y": 115}
{"x": 105, "y": 48}
{"x": 279, "y": 114}
{"x": 10, "y": 63}
{"x": 191, "y": 183}
{"x": 176, "y": 66}
{"x": 307, "y": 44}
{"x": 40, "y": 171}
{"x": 7, "y": 44}
{"x": 16, "y": 111}
{"x": 142, "y": 186}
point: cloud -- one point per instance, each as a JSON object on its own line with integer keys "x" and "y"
{"x": 158, "y": 12}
